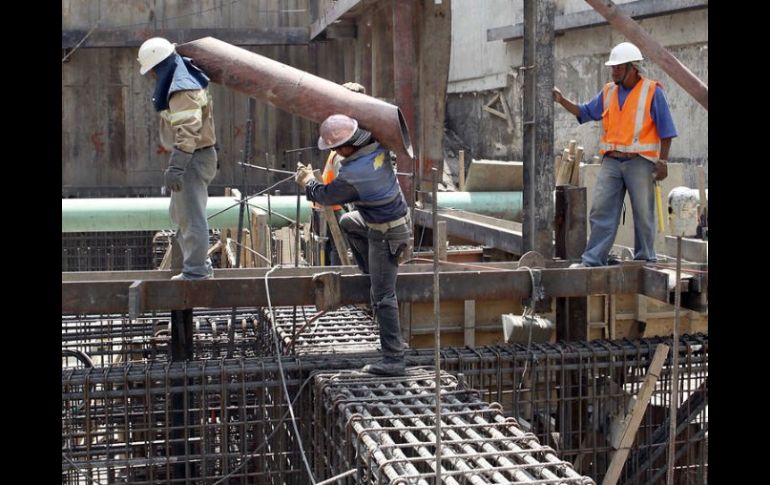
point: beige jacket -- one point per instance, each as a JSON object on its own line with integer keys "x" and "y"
{"x": 188, "y": 123}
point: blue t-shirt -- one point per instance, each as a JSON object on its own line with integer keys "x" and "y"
{"x": 661, "y": 115}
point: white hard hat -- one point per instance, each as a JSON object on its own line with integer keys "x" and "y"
{"x": 623, "y": 53}
{"x": 336, "y": 130}
{"x": 152, "y": 52}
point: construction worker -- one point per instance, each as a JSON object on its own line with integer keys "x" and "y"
{"x": 378, "y": 231}
{"x": 637, "y": 129}
{"x": 187, "y": 129}
{"x": 331, "y": 167}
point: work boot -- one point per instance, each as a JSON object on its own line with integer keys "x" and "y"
{"x": 386, "y": 368}
{"x": 577, "y": 265}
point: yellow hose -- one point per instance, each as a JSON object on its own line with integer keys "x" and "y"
{"x": 659, "y": 206}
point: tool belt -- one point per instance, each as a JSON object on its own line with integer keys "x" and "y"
{"x": 384, "y": 226}
{"x": 621, "y": 155}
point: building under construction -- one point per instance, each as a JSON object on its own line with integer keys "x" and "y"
{"x": 519, "y": 368}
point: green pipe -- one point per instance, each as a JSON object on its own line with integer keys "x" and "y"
{"x": 151, "y": 213}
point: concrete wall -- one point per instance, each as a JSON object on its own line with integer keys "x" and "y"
{"x": 579, "y": 72}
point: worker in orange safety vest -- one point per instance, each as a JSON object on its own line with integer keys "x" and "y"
{"x": 637, "y": 128}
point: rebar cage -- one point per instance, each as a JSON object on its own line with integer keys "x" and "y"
{"x": 131, "y": 416}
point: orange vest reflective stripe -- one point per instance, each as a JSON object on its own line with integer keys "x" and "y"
{"x": 328, "y": 176}
{"x": 631, "y": 129}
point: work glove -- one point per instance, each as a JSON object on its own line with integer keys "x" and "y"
{"x": 177, "y": 164}
{"x": 304, "y": 174}
{"x": 660, "y": 171}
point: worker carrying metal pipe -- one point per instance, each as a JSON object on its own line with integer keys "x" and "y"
{"x": 637, "y": 129}
{"x": 331, "y": 168}
{"x": 378, "y": 231}
{"x": 186, "y": 113}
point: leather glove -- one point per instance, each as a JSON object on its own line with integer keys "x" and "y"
{"x": 660, "y": 171}
{"x": 177, "y": 164}
{"x": 304, "y": 174}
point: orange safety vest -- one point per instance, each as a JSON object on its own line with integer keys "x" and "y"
{"x": 328, "y": 176}
{"x": 631, "y": 129}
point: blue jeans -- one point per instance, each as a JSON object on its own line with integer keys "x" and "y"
{"x": 188, "y": 212}
{"x": 615, "y": 177}
{"x": 377, "y": 253}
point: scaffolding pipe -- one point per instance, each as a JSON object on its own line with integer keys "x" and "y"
{"x": 296, "y": 91}
{"x": 151, "y": 213}
{"x": 652, "y": 49}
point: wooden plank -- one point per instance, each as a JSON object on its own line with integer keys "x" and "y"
{"x": 134, "y": 38}
{"x": 469, "y": 323}
{"x": 632, "y": 425}
{"x": 495, "y": 176}
{"x": 639, "y": 9}
{"x": 338, "y": 239}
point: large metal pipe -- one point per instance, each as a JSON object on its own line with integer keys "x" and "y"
{"x": 151, "y": 213}
{"x": 297, "y": 91}
{"x": 652, "y": 49}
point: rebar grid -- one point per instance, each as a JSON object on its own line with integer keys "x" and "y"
{"x": 119, "y": 421}
{"x": 178, "y": 423}
{"x": 346, "y": 330}
{"x": 112, "y": 339}
{"x": 107, "y": 251}
{"x": 387, "y": 425}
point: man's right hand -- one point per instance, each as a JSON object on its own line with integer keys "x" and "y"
{"x": 557, "y": 95}
{"x": 304, "y": 174}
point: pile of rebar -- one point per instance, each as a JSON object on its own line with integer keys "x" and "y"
{"x": 386, "y": 429}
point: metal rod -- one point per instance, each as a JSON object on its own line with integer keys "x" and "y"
{"x": 437, "y": 321}
{"x": 268, "y": 169}
{"x": 674, "y": 367}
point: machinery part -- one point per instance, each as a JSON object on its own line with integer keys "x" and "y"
{"x": 526, "y": 329}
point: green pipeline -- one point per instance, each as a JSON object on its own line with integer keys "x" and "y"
{"x": 151, "y": 214}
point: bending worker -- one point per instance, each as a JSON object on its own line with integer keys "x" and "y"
{"x": 378, "y": 231}
{"x": 331, "y": 168}
{"x": 187, "y": 129}
{"x": 637, "y": 129}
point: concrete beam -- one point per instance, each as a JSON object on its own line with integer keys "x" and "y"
{"x": 590, "y": 18}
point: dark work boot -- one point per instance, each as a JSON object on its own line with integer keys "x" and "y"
{"x": 386, "y": 368}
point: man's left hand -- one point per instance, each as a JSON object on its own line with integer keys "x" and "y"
{"x": 660, "y": 171}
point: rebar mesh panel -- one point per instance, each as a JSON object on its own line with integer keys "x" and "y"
{"x": 346, "y": 330}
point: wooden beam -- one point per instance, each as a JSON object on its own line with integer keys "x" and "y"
{"x": 489, "y": 231}
{"x": 537, "y": 139}
{"x": 135, "y": 37}
{"x": 632, "y": 425}
{"x": 331, "y": 15}
{"x": 90, "y": 297}
{"x": 639, "y": 9}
